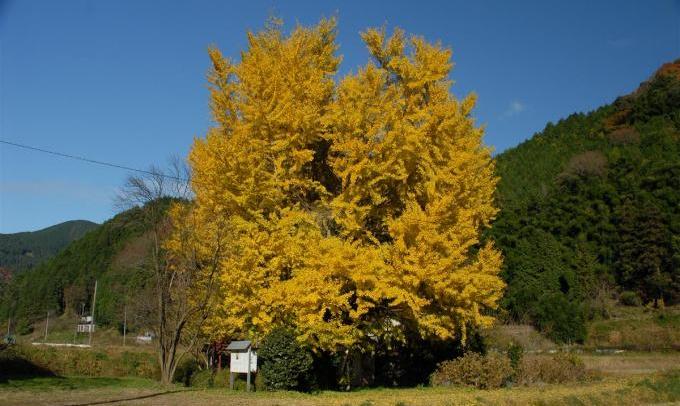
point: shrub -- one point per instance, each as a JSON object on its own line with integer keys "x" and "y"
{"x": 515, "y": 354}
{"x": 624, "y": 135}
{"x": 285, "y": 364}
{"x": 24, "y": 328}
{"x": 559, "y": 368}
{"x": 479, "y": 371}
{"x": 259, "y": 383}
{"x": 560, "y": 318}
{"x": 585, "y": 165}
{"x": 629, "y": 298}
{"x": 203, "y": 379}
{"x": 186, "y": 370}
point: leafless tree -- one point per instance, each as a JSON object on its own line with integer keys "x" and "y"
{"x": 182, "y": 280}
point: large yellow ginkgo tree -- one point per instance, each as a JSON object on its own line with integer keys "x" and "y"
{"x": 353, "y": 207}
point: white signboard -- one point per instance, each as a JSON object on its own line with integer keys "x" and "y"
{"x": 239, "y": 362}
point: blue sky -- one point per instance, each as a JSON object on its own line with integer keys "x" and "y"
{"x": 124, "y": 81}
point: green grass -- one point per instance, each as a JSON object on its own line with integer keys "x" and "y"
{"x": 75, "y": 383}
{"x": 668, "y": 383}
{"x": 637, "y": 328}
{"x": 627, "y": 391}
{"x": 28, "y": 360}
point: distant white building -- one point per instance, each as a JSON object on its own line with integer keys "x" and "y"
{"x": 145, "y": 338}
{"x": 86, "y": 325}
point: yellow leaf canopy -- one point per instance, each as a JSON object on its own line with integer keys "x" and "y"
{"x": 353, "y": 206}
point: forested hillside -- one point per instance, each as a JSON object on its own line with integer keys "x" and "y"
{"x": 590, "y": 209}
{"x": 112, "y": 254}
{"x": 21, "y": 251}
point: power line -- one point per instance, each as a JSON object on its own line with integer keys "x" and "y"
{"x": 113, "y": 165}
{"x": 92, "y": 161}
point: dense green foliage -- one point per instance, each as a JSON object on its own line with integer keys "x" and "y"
{"x": 111, "y": 254}
{"x": 21, "y": 251}
{"x": 285, "y": 363}
{"x": 592, "y": 204}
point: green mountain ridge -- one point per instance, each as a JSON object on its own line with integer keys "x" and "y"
{"x": 110, "y": 254}
{"x": 590, "y": 211}
{"x": 24, "y": 250}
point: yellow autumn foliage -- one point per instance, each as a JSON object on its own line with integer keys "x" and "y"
{"x": 353, "y": 207}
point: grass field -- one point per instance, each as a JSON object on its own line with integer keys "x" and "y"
{"x": 645, "y": 373}
{"x": 637, "y": 329}
{"x": 630, "y": 390}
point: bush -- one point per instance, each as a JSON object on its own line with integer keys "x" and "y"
{"x": 285, "y": 364}
{"x": 629, "y": 298}
{"x": 185, "y": 371}
{"x": 203, "y": 379}
{"x": 559, "y": 368}
{"x": 515, "y": 354}
{"x": 585, "y": 165}
{"x": 624, "y": 135}
{"x": 480, "y": 371}
{"x": 24, "y": 328}
{"x": 560, "y": 318}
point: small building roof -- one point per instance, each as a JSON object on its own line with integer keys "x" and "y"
{"x": 239, "y": 345}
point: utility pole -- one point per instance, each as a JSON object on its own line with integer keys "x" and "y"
{"x": 94, "y": 302}
{"x": 47, "y": 323}
{"x": 124, "y": 322}
{"x": 75, "y": 333}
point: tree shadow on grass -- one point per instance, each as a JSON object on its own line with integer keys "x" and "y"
{"x": 128, "y": 399}
{"x": 20, "y": 373}
{"x": 15, "y": 367}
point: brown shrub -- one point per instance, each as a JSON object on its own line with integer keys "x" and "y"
{"x": 669, "y": 69}
{"x": 624, "y": 135}
{"x": 480, "y": 371}
{"x": 559, "y": 368}
{"x": 619, "y": 117}
{"x": 586, "y": 164}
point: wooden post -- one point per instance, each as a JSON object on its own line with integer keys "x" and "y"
{"x": 231, "y": 380}
{"x": 75, "y": 333}
{"x": 47, "y": 323}
{"x": 124, "y": 322}
{"x": 94, "y": 302}
{"x": 248, "y": 378}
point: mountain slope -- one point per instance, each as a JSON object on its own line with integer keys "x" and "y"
{"x": 112, "y": 254}
{"x": 21, "y": 251}
{"x": 590, "y": 207}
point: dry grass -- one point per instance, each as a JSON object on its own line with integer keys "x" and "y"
{"x": 500, "y": 337}
{"x": 25, "y": 359}
{"x": 619, "y": 391}
{"x": 475, "y": 370}
{"x": 631, "y": 363}
{"x": 637, "y": 329}
{"x": 557, "y": 368}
